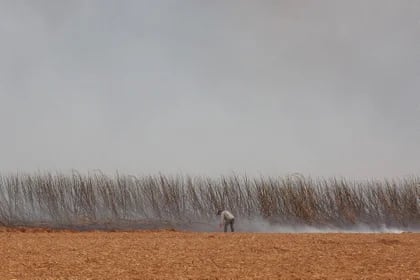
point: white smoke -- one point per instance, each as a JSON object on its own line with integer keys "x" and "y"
{"x": 260, "y": 225}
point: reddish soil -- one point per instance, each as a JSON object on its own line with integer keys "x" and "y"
{"x": 40, "y": 254}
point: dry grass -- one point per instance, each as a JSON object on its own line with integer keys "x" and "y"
{"x": 76, "y": 200}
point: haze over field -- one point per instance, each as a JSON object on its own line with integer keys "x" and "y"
{"x": 324, "y": 88}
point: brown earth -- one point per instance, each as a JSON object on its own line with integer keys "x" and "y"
{"x": 40, "y": 254}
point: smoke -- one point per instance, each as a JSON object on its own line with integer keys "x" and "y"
{"x": 261, "y": 225}
{"x": 255, "y": 225}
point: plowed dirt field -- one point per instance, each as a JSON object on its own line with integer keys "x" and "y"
{"x": 40, "y": 254}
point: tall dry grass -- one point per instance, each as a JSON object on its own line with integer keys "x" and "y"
{"x": 76, "y": 200}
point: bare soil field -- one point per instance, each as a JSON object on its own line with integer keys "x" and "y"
{"x": 44, "y": 254}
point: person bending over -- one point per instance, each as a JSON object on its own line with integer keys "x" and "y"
{"x": 226, "y": 219}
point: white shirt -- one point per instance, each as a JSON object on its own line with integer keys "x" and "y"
{"x": 226, "y": 216}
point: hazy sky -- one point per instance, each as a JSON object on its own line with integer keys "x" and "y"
{"x": 321, "y": 87}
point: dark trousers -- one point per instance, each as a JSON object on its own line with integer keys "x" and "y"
{"x": 230, "y": 222}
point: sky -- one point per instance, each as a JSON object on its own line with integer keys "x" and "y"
{"x": 323, "y": 88}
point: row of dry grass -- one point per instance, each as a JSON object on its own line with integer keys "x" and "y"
{"x": 72, "y": 200}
